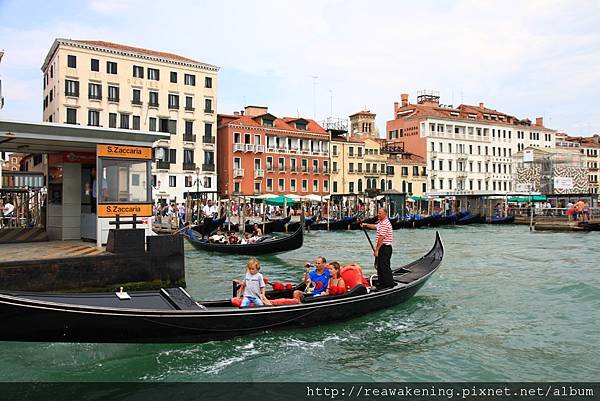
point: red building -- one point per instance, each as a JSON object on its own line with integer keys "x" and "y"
{"x": 260, "y": 153}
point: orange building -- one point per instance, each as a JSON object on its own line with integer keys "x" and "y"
{"x": 260, "y": 153}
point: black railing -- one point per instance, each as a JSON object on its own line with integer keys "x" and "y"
{"x": 189, "y": 138}
{"x": 208, "y": 139}
{"x": 160, "y": 165}
{"x": 208, "y": 167}
{"x": 189, "y": 166}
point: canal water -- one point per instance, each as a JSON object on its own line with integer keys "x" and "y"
{"x": 507, "y": 304}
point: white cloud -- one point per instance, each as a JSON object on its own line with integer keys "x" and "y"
{"x": 514, "y": 56}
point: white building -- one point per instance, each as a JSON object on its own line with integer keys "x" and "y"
{"x": 110, "y": 85}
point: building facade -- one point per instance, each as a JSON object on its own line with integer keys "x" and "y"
{"x": 468, "y": 149}
{"x": 260, "y": 153}
{"x": 110, "y": 85}
{"x": 588, "y": 147}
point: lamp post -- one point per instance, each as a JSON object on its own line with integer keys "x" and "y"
{"x": 197, "y": 180}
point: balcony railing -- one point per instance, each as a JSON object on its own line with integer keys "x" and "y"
{"x": 189, "y": 138}
{"x": 238, "y": 172}
{"x": 248, "y": 147}
{"x": 189, "y": 108}
{"x": 259, "y": 148}
{"x": 238, "y": 147}
{"x": 259, "y": 173}
{"x": 136, "y": 102}
{"x": 152, "y": 104}
{"x": 208, "y": 167}
{"x": 160, "y": 165}
{"x": 208, "y": 139}
{"x": 189, "y": 166}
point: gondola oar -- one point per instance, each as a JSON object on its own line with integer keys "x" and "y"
{"x": 370, "y": 243}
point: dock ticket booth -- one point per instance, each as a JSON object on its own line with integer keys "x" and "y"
{"x": 122, "y": 187}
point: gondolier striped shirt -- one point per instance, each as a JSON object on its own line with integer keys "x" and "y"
{"x": 384, "y": 229}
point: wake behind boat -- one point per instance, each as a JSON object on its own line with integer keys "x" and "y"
{"x": 267, "y": 245}
{"x": 172, "y": 315}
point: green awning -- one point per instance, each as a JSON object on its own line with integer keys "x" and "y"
{"x": 418, "y": 198}
{"x": 280, "y": 201}
{"x": 523, "y": 199}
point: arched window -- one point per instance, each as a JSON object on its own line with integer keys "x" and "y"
{"x": 383, "y": 185}
{"x": 389, "y": 184}
{"x": 360, "y": 185}
{"x": 403, "y": 186}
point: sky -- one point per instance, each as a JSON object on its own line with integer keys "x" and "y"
{"x": 321, "y": 58}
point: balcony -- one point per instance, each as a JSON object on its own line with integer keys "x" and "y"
{"x": 136, "y": 102}
{"x": 259, "y": 173}
{"x": 238, "y": 147}
{"x": 189, "y": 138}
{"x": 189, "y": 108}
{"x": 189, "y": 166}
{"x": 461, "y": 174}
{"x": 271, "y": 148}
{"x": 173, "y": 107}
{"x": 238, "y": 172}
{"x": 248, "y": 147}
{"x": 461, "y": 156}
{"x": 293, "y": 150}
{"x": 152, "y": 104}
{"x": 208, "y": 140}
{"x": 259, "y": 148}
{"x": 282, "y": 149}
{"x": 160, "y": 165}
{"x": 208, "y": 167}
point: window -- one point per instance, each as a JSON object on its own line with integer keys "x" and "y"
{"x": 208, "y": 105}
{"x": 172, "y": 127}
{"x": 94, "y": 91}
{"x": 188, "y": 156}
{"x": 304, "y": 185}
{"x": 71, "y": 88}
{"x": 124, "y": 121}
{"x": 172, "y": 181}
{"x": 188, "y": 181}
{"x": 304, "y": 165}
{"x": 208, "y": 82}
{"x": 152, "y": 124}
{"x": 138, "y": 71}
{"x": 173, "y": 101}
{"x": 281, "y": 164}
{"x": 111, "y": 67}
{"x": 315, "y": 186}
{"x": 335, "y": 186}
{"x": 189, "y": 127}
{"x": 113, "y": 93}
{"x": 281, "y": 185}
{"x": 94, "y": 118}
{"x": 326, "y": 186}
{"x": 209, "y": 158}
{"x": 315, "y": 166}
{"x": 293, "y": 164}
{"x": 95, "y": 64}
{"x": 293, "y": 185}
{"x": 112, "y": 120}
{"x": 189, "y": 79}
{"x": 71, "y": 61}
{"x": 189, "y": 103}
{"x": 269, "y": 184}
{"x": 153, "y": 74}
{"x": 153, "y": 99}
{"x": 351, "y": 187}
{"x": 136, "y": 123}
{"x": 173, "y": 78}
{"x": 71, "y": 116}
{"x": 136, "y": 97}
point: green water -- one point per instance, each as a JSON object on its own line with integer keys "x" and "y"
{"x": 505, "y": 305}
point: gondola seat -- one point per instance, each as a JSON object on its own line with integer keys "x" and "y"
{"x": 237, "y": 301}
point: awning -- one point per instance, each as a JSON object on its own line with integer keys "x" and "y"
{"x": 523, "y": 199}
{"x": 418, "y": 198}
{"x": 280, "y": 201}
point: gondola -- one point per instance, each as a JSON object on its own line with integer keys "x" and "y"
{"x": 267, "y": 245}
{"x": 341, "y": 224}
{"x": 172, "y": 315}
{"x": 502, "y": 220}
{"x": 471, "y": 219}
{"x": 271, "y": 226}
{"x": 368, "y": 220}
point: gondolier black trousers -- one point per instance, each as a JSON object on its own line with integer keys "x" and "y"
{"x": 384, "y": 268}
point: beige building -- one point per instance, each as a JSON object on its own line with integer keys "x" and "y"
{"x": 110, "y": 85}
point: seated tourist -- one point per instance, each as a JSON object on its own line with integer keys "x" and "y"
{"x": 218, "y": 237}
{"x": 352, "y": 275}
{"x": 336, "y": 286}
{"x": 256, "y": 231}
{"x": 316, "y": 280}
{"x": 246, "y": 239}
{"x": 232, "y": 238}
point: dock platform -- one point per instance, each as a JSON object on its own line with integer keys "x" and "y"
{"x": 46, "y": 250}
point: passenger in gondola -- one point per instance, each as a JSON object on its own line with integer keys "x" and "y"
{"x": 218, "y": 237}
{"x": 232, "y": 238}
{"x": 256, "y": 232}
{"x": 336, "y": 285}
{"x": 253, "y": 286}
{"x": 316, "y": 280}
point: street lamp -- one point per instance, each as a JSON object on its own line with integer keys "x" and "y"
{"x": 197, "y": 180}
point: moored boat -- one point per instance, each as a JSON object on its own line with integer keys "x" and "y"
{"x": 172, "y": 315}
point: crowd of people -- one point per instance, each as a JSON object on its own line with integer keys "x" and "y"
{"x": 578, "y": 211}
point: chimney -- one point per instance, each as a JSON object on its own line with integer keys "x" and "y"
{"x": 236, "y": 113}
{"x": 481, "y": 105}
{"x": 539, "y": 121}
{"x": 241, "y": 112}
{"x": 404, "y": 98}
{"x": 395, "y": 108}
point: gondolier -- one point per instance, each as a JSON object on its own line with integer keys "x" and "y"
{"x": 383, "y": 248}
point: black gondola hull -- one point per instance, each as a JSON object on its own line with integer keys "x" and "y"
{"x": 158, "y": 318}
